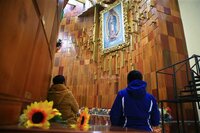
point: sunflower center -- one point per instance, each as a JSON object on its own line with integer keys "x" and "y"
{"x": 82, "y": 120}
{"x": 37, "y": 117}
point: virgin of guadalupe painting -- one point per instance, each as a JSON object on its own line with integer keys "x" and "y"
{"x": 113, "y": 32}
{"x": 112, "y": 25}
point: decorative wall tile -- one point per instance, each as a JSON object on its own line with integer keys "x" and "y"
{"x": 158, "y": 43}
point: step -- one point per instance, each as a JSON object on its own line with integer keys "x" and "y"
{"x": 190, "y": 90}
{"x": 198, "y": 77}
{"x": 190, "y": 97}
{"x": 189, "y": 86}
{"x": 194, "y": 81}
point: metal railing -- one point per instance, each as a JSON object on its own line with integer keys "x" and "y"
{"x": 182, "y": 66}
{"x": 178, "y": 72}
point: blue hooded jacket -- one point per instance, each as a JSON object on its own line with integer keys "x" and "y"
{"x": 135, "y": 108}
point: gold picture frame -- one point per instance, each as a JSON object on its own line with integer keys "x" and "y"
{"x": 114, "y": 27}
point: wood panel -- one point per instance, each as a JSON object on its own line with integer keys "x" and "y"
{"x": 54, "y": 34}
{"x": 25, "y": 54}
{"x": 10, "y": 111}
{"x": 16, "y": 44}
{"x": 40, "y": 69}
{"x": 47, "y": 11}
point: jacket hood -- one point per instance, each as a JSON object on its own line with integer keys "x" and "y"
{"x": 137, "y": 88}
{"x": 58, "y": 87}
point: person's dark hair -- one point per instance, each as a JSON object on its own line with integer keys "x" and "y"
{"x": 59, "y": 79}
{"x": 133, "y": 75}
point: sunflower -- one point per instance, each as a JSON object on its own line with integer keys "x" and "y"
{"x": 38, "y": 114}
{"x": 83, "y": 120}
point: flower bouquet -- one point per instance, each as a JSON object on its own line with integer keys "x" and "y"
{"x": 99, "y": 111}
{"x": 167, "y": 114}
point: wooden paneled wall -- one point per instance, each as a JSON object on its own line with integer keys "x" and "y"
{"x": 157, "y": 42}
{"x": 28, "y": 33}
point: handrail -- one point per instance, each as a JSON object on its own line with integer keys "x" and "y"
{"x": 181, "y": 66}
{"x": 176, "y": 69}
{"x": 193, "y": 56}
{"x": 194, "y": 64}
{"x": 194, "y": 72}
{"x": 175, "y": 64}
{"x": 165, "y": 73}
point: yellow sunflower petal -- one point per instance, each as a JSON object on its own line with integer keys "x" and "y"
{"x": 46, "y": 125}
{"x": 55, "y": 112}
{"x": 40, "y": 125}
{"x": 29, "y": 124}
{"x": 73, "y": 125}
{"x": 51, "y": 104}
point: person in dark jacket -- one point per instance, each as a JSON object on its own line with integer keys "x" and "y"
{"x": 134, "y": 107}
{"x": 63, "y": 100}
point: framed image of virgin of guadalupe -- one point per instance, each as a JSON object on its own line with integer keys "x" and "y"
{"x": 114, "y": 30}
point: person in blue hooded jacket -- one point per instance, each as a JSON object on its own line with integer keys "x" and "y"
{"x": 134, "y": 107}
